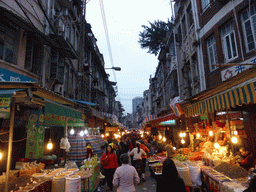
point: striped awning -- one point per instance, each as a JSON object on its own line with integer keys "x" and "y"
{"x": 243, "y": 94}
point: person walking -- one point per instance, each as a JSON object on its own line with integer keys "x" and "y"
{"x": 144, "y": 159}
{"x": 170, "y": 151}
{"x": 109, "y": 163}
{"x": 133, "y": 145}
{"x": 137, "y": 157}
{"x": 126, "y": 176}
{"x": 170, "y": 180}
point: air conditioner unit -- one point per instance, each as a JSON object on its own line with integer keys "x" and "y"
{"x": 58, "y": 88}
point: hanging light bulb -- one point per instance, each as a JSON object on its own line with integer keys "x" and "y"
{"x": 164, "y": 139}
{"x": 235, "y": 133}
{"x": 1, "y": 155}
{"x": 107, "y": 134}
{"x": 102, "y": 135}
{"x": 234, "y": 140}
{"x": 85, "y": 131}
{"x": 198, "y": 135}
{"x": 211, "y": 133}
{"x": 49, "y": 145}
{"x": 182, "y": 141}
{"x": 72, "y": 131}
{"x": 184, "y": 134}
{"x": 181, "y": 134}
{"x": 160, "y": 137}
{"x": 216, "y": 145}
{"x": 81, "y": 133}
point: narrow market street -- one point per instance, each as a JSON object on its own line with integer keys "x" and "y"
{"x": 149, "y": 185}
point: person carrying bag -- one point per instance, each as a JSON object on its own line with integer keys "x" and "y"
{"x": 109, "y": 163}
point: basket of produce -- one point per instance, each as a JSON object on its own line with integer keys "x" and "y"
{"x": 158, "y": 167}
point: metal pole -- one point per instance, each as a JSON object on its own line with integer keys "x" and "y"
{"x": 12, "y": 113}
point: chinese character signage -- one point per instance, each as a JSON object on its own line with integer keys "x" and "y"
{"x": 9, "y": 76}
{"x": 5, "y": 102}
{"x": 235, "y": 70}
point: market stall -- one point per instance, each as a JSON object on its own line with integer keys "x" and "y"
{"x": 33, "y": 177}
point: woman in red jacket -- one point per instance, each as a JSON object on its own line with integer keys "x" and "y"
{"x": 109, "y": 161}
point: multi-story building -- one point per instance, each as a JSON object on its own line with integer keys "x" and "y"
{"x": 135, "y": 102}
{"x": 49, "y": 57}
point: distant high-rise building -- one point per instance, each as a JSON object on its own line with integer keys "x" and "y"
{"x": 135, "y": 102}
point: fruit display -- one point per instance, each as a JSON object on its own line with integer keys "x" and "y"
{"x": 151, "y": 159}
{"x": 181, "y": 157}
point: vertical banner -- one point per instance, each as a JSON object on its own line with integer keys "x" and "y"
{"x": 35, "y": 137}
{"x": 5, "y": 101}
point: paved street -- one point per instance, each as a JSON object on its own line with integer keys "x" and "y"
{"x": 149, "y": 185}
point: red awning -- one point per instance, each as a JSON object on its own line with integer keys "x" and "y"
{"x": 158, "y": 120}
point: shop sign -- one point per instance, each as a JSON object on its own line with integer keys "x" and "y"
{"x": 35, "y": 135}
{"x": 234, "y": 70}
{"x": 203, "y": 116}
{"x": 5, "y": 101}
{"x": 113, "y": 129}
{"x": 9, "y": 76}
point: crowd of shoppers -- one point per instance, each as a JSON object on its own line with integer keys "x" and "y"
{"x": 124, "y": 164}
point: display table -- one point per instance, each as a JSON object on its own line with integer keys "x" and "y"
{"x": 217, "y": 182}
{"x": 91, "y": 183}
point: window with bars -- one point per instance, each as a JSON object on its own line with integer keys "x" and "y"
{"x": 248, "y": 18}
{"x": 212, "y": 52}
{"x": 7, "y": 40}
{"x": 229, "y": 42}
{"x": 34, "y": 55}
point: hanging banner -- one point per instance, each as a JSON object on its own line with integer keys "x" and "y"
{"x": 59, "y": 115}
{"x": 5, "y": 102}
{"x": 35, "y": 135}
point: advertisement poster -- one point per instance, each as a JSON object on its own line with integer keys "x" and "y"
{"x": 35, "y": 134}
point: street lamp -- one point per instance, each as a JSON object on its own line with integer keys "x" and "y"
{"x": 115, "y": 68}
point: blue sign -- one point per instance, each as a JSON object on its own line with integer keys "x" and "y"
{"x": 9, "y": 76}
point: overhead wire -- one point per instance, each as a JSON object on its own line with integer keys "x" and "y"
{"x": 108, "y": 41}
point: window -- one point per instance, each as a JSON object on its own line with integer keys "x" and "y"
{"x": 190, "y": 16}
{"x": 7, "y": 36}
{"x": 33, "y": 58}
{"x": 57, "y": 66}
{"x": 205, "y": 4}
{"x": 184, "y": 27}
{"x": 249, "y": 26}
{"x": 212, "y": 52}
{"x": 229, "y": 42}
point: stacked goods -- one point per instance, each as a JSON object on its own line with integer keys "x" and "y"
{"x": 183, "y": 171}
{"x": 231, "y": 171}
{"x": 195, "y": 173}
{"x": 96, "y": 143}
{"x": 195, "y": 156}
{"x": 181, "y": 157}
{"x": 16, "y": 183}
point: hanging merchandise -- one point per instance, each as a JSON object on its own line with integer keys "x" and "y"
{"x": 64, "y": 144}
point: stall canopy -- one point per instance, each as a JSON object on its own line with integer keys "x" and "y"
{"x": 241, "y": 94}
{"x": 84, "y": 102}
{"x": 165, "y": 118}
{"x": 57, "y": 115}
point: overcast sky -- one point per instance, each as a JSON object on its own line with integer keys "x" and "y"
{"x": 124, "y": 21}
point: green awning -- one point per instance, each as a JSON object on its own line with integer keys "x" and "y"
{"x": 58, "y": 115}
{"x": 243, "y": 94}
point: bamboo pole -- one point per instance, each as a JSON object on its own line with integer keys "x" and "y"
{"x": 12, "y": 113}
